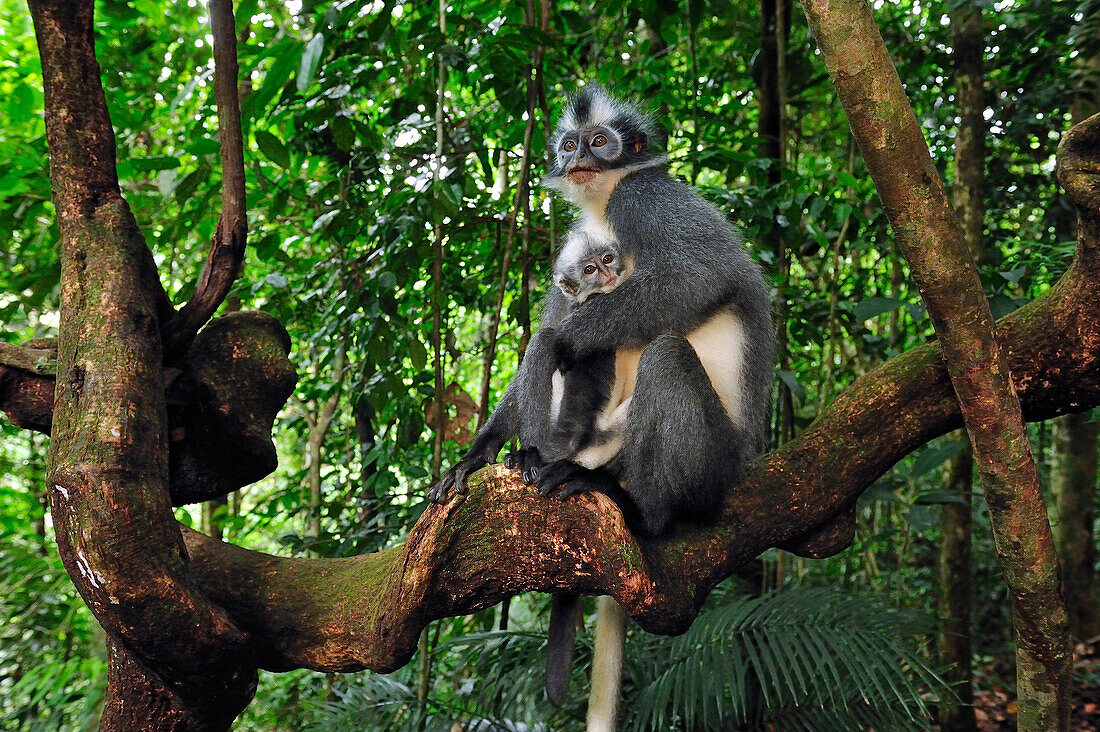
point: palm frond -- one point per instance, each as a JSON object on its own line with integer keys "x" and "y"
{"x": 804, "y": 658}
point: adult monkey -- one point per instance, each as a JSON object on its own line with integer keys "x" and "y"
{"x": 694, "y": 316}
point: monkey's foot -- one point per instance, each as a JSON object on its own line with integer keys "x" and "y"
{"x": 526, "y": 460}
{"x": 572, "y": 478}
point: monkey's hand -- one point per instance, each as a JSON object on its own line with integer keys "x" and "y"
{"x": 456, "y": 476}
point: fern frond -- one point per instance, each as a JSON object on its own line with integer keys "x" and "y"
{"x": 804, "y": 658}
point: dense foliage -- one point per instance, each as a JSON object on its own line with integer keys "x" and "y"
{"x": 339, "y": 103}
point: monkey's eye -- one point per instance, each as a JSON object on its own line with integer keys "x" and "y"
{"x": 608, "y": 258}
{"x": 569, "y": 146}
{"x": 589, "y": 269}
{"x": 599, "y": 140}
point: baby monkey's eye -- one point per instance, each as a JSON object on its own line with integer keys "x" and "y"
{"x": 589, "y": 269}
{"x": 608, "y": 258}
{"x": 599, "y": 140}
{"x": 569, "y": 146}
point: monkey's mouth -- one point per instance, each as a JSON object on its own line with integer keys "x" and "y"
{"x": 582, "y": 175}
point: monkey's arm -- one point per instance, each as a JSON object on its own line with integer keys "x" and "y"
{"x": 644, "y": 306}
{"x": 522, "y": 410}
{"x": 501, "y": 426}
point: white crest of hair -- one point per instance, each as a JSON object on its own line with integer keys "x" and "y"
{"x": 575, "y": 244}
{"x": 602, "y": 110}
{"x": 557, "y": 393}
{"x": 607, "y": 666}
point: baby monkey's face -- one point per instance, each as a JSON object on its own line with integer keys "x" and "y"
{"x": 599, "y": 272}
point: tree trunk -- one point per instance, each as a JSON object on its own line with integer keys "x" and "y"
{"x": 1073, "y": 483}
{"x": 953, "y": 576}
{"x": 109, "y": 449}
{"x": 953, "y": 583}
{"x": 935, "y": 248}
{"x": 771, "y": 83}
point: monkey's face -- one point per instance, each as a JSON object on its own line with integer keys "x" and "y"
{"x": 584, "y": 154}
{"x": 599, "y": 140}
{"x": 596, "y": 274}
{"x": 601, "y": 272}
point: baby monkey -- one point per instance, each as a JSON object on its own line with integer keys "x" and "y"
{"x": 588, "y": 264}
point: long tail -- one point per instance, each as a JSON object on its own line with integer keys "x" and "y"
{"x": 565, "y": 612}
{"x": 607, "y": 666}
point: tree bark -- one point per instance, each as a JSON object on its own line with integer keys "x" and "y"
{"x": 1073, "y": 484}
{"x": 932, "y": 241}
{"x": 953, "y": 576}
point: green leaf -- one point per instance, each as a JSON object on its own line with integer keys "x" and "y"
{"x": 155, "y": 162}
{"x": 875, "y": 306}
{"x": 845, "y": 178}
{"x": 418, "y": 355}
{"x": 272, "y": 148}
{"x": 203, "y": 146}
{"x": 935, "y": 456}
{"x": 274, "y": 80}
{"x": 311, "y": 59}
{"x": 1014, "y": 275}
{"x": 267, "y": 248}
{"x": 342, "y": 133}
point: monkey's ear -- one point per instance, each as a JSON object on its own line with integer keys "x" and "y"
{"x": 640, "y": 143}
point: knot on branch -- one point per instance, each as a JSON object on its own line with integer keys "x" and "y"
{"x": 235, "y": 378}
{"x": 27, "y": 383}
{"x": 1078, "y": 166}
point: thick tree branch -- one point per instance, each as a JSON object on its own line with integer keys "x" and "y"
{"x": 36, "y": 359}
{"x": 226, "y": 255}
{"x": 108, "y": 452}
{"x": 27, "y": 383}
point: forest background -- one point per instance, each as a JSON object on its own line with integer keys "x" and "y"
{"x": 339, "y": 103}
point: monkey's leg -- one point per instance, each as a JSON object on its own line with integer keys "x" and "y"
{"x": 585, "y": 389}
{"x": 681, "y": 453}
